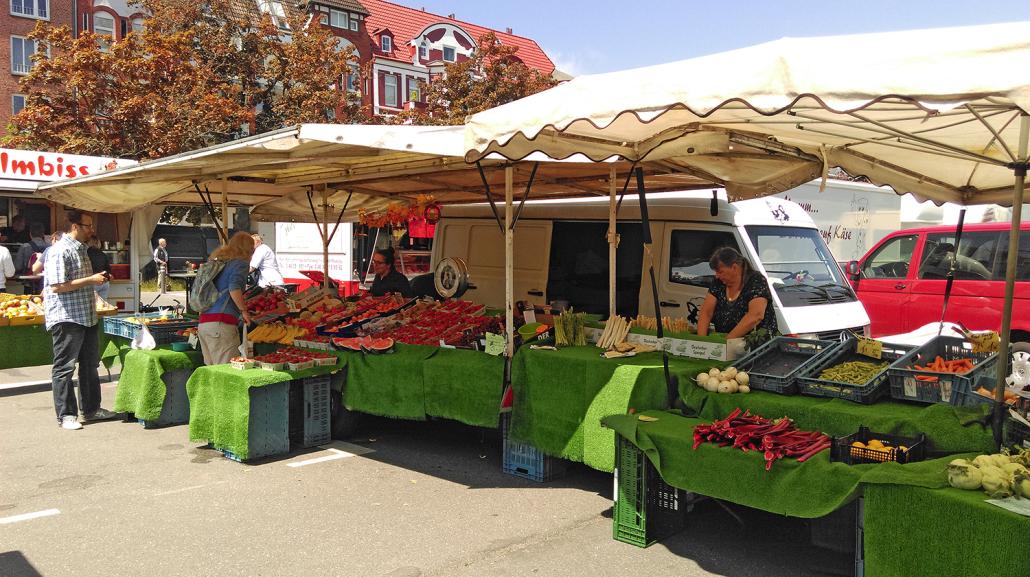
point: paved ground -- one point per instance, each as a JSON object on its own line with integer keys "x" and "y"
{"x": 414, "y": 500}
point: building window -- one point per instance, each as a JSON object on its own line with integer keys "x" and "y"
{"x": 352, "y": 78}
{"x": 386, "y": 43}
{"x": 449, "y": 54}
{"x": 17, "y": 103}
{"x": 85, "y": 21}
{"x": 103, "y": 25}
{"x": 137, "y": 25}
{"x": 31, "y": 8}
{"x": 275, "y": 10}
{"x": 22, "y": 50}
{"x": 354, "y": 24}
{"x": 423, "y": 51}
{"x": 414, "y": 92}
{"x": 390, "y": 93}
{"x": 323, "y": 19}
{"x": 338, "y": 19}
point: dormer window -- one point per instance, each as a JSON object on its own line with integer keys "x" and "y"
{"x": 275, "y": 9}
{"x": 423, "y": 51}
{"x": 449, "y": 54}
{"x": 386, "y": 43}
{"x": 338, "y": 19}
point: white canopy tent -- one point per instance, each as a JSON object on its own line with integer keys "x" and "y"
{"x": 943, "y": 114}
{"x": 326, "y": 172}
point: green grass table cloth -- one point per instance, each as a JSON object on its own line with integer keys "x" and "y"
{"x": 389, "y": 384}
{"x": 948, "y": 429}
{"x": 561, "y": 397}
{"x": 25, "y": 346}
{"x": 918, "y": 532}
{"x": 811, "y": 489}
{"x": 465, "y": 386}
{"x": 141, "y": 390}
{"x": 220, "y": 404}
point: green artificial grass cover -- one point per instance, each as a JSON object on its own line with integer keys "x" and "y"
{"x": 948, "y": 429}
{"x": 561, "y": 396}
{"x": 25, "y": 346}
{"x": 220, "y": 404}
{"x": 916, "y": 532}
{"x": 811, "y": 489}
{"x": 389, "y": 384}
{"x": 140, "y": 388}
{"x": 465, "y": 386}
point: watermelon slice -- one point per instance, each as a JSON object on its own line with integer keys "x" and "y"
{"x": 350, "y": 344}
{"x": 376, "y": 345}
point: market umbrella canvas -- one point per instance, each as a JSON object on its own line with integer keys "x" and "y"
{"x": 942, "y": 114}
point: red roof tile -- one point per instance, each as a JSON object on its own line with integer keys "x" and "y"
{"x": 406, "y": 23}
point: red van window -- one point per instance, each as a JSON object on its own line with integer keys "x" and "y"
{"x": 975, "y": 260}
{"x": 1022, "y": 258}
{"x": 891, "y": 260}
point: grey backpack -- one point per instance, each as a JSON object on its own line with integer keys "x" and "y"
{"x": 205, "y": 293}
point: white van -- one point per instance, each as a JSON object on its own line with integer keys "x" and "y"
{"x": 561, "y": 254}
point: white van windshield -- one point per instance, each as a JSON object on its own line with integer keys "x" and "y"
{"x": 800, "y": 266}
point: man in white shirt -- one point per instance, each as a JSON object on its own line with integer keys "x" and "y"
{"x": 265, "y": 263}
{"x": 7, "y": 269}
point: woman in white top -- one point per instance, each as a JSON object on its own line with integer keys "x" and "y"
{"x": 265, "y": 263}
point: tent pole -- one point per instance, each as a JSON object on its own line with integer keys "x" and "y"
{"x": 325, "y": 235}
{"x": 225, "y": 210}
{"x": 613, "y": 241}
{"x": 1019, "y": 168}
{"x": 509, "y": 262}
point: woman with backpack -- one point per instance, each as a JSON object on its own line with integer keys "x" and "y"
{"x": 219, "y": 321}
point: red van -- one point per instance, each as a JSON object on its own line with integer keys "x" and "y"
{"x": 900, "y": 281}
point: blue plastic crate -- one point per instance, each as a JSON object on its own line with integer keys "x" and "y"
{"x": 309, "y": 411}
{"x": 526, "y": 461}
{"x": 268, "y": 432}
{"x": 176, "y": 407}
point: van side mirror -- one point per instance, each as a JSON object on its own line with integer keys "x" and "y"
{"x": 853, "y": 270}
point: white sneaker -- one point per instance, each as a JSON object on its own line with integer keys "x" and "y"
{"x": 70, "y": 423}
{"x": 99, "y": 415}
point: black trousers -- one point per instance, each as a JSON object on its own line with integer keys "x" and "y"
{"x": 74, "y": 343}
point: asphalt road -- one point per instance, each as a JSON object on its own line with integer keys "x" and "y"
{"x": 402, "y": 499}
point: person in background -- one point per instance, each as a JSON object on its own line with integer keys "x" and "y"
{"x": 35, "y": 246}
{"x": 7, "y": 269}
{"x": 17, "y": 232}
{"x": 739, "y": 300}
{"x": 265, "y": 264}
{"x": 69, "y": 302}
{"x": 100, "y": 263}
{"x": 387, "y": 279}
{"x": 37, "y": 266}
{"x": 161, "y": 260}
{"x": 219, "y": 326}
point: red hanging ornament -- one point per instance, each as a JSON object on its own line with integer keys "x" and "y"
{"x": 432, "y": 213}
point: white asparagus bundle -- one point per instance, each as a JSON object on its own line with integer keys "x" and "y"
{"x": 615, "y": 331}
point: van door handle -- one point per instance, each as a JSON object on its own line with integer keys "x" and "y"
{"x": 899, "y": 286}
{"x": 536, "y": 293}
{"x": 669, "y": 304}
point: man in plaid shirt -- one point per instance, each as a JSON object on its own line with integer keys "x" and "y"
{"x": 71, "y": 318}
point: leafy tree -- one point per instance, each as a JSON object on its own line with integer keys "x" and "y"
{"x": 494, "y": 75}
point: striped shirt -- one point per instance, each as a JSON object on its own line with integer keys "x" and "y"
{"x": 67, "y": 261}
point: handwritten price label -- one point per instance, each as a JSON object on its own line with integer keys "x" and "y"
{"x": 869, "y": 347}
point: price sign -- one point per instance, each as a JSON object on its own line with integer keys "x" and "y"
{"x": 495, "y": 344}
{"x": 194, "y": 340}
{"x": 530, "y": 315}
{"x": 869, "y": 347}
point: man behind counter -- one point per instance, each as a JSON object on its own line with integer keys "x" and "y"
{"x": 387, "y": 279}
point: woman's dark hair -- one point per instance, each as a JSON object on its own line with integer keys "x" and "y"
{"x": 387, "y": 254}
{"x": 728, "y": 256}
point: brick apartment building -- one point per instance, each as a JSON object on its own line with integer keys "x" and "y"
{"x": 404, "y": 45}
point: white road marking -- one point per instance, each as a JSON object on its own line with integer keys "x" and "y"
{"x": 354, "y": 451}
{"x": 28, "y": 516}
{"x": 190, "y": 488}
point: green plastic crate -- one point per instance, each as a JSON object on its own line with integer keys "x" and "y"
{"x": 646, "y": 509}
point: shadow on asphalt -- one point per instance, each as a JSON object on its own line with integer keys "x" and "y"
{"x": 14, "y": 564}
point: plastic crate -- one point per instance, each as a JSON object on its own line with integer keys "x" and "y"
{"x": 176, "y": 407}
{"x": 268, "y": 431}
{"x": 1016, "y": 433}
{"x": 309, "y": 412}
{"x": 843, "y": 452}
{"x": 525, "y": 460}
{"x": 809, "y": 382}
{"x": 645, "y": 509}
{"x": 945, "y": 387}
{"x": 775, "y": 365}
{"x": 163, "y": 333}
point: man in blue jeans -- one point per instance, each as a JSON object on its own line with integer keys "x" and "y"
{"x": 71, "y": 319}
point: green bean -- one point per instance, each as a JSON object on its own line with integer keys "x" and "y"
{"x": 854, "y": 372}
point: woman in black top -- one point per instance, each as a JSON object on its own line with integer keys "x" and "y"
{"x": 387, "y": 279}
{"x": 739, "y": 300}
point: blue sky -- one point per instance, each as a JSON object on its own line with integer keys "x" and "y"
{"x": 584, "y": 37}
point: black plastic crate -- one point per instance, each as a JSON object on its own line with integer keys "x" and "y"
{"x": 870, "y": 391}
{"x": 1016, "y": 433}
{"x": 175, "y": 410}
{"x": 776, "y": 365}
{"x": 645, "y": 509}
{"x": 843, "y": 451}
{"x": 921, "y": 386}
{"x": 309, "y": 411}
{"x": 526, "y": 461}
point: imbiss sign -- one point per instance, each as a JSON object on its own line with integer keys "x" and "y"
{"x": 51, "y": 166}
